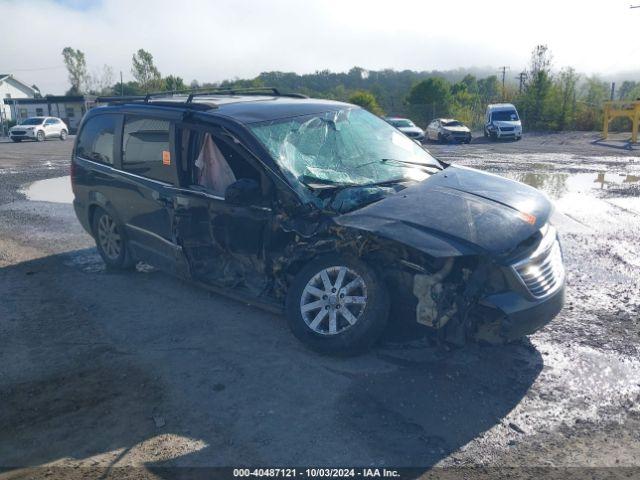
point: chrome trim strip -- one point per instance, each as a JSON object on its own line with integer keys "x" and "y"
{"x": 115, "y": 170}
{"x": 152, "y": 234}
{"x": 164, "y": 184}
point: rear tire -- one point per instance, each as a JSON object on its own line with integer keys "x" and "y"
{"x": 111, "y": 241}
{"x": 63, "y": 135}
{"x": 337, "y": 305}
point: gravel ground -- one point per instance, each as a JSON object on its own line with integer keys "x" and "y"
{"x": 129, "y": 375}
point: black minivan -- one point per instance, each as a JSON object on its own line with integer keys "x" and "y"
{"x": 318, "y": 209}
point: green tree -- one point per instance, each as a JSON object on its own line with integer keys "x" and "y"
{"x": 429, "y": 99}
{"x": 626, "y": 89}
{"x": 594, "y": 93}
{"x": 367, "y": 101}
{"x": 174, "y": 83}
{"x": 38, "y": 94}
{"x": 536, "y": 97}
{"x": 76, "y": 65}
{"x": 144, "y": 71}
{"x": 101, "y": 81}
{"x": 565, "y": 86}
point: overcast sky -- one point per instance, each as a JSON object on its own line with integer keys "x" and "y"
{"x": 220, "y": 39}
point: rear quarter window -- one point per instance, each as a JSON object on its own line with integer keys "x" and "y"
{"x": 96, "y": 140}
{"x": 146, "y": 148}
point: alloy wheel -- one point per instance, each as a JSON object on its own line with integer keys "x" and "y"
{"x": 333, "y": 300}
{"x": 109, "y": 237}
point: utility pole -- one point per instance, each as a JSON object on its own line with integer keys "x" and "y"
{"x": 521, "y": 78}
{"x": 503, "y": 69}
{"x": 121, "y": 85}
{"x": 613, "y": 90}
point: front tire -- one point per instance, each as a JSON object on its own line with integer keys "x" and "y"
{"x": 337, "y": 305}
{"x": 63, "y": 135}
{"x": 17, "y": 140}
{"x": 40, "y": 136}
{"x": 111, "y": 241}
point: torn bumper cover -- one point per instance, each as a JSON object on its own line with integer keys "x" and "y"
{"x": 517, "y": 316}
{"x": 495, "y": 302}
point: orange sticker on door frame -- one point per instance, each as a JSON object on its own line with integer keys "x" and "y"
{"x": 166, "y": 157}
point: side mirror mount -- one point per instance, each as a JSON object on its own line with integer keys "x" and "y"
{"x": 243, "y": 193}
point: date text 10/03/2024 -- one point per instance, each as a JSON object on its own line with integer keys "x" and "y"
{"x": 317, "y": 472}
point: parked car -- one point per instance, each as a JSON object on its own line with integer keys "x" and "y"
{"x": 502, "y": 121}
{"x": 448, "y": 130}
{"x": 407, "y": 127}
{"x": 317, "y": 209}
{"x": 39, "y": 128}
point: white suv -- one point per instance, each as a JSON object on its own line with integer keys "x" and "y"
{"x": 502, "y": 121}
{"x": 39, "y": 128}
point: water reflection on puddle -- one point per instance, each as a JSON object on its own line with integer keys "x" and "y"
{"x": 56, "y": 190}
{"x": 557, "y": 185}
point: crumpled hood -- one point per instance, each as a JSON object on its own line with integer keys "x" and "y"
{"x": 459, "y": 129}
{"x": 411, "y": 130}
{"x": 458, "y": 211}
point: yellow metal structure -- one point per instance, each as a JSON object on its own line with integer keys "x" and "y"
{"x": 630, "y": 110}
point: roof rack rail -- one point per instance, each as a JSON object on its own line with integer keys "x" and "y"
{"x": 191, "y": 94}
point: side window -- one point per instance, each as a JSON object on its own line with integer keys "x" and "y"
{"x": 96, "y": 139}
{"x": 215, "y": 164}
{"x": 146, "y": 150}
{"x": 49, "y": 121}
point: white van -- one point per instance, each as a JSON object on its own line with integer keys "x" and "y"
{"x": 502, "y": 121}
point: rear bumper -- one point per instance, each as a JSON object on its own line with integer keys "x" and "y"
{"x": 519, "y": 316}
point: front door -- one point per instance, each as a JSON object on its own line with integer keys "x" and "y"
{"x": 224, "y": 243}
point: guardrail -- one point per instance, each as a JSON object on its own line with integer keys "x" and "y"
{"x": 627, "y": 109}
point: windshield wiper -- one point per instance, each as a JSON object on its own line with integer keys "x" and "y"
{"x": 400, "y": 163}
{"x": 392, "y": 161}
{"x": 320, "y": 183}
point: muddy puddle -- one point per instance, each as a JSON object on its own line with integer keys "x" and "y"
{"x": 57, "y": 190}
{"x": 584, "y": 192}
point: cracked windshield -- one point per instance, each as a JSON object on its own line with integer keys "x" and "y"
{"x": 346, "y": 148}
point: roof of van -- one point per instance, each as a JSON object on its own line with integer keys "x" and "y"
{"x": 252, "y": 108}
{"x": 501, "y": 106}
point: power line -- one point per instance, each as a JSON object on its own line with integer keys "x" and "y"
{"x": 503, "y": 69}
{"x": 521, "y": 78}
{"x": 33, "y": 69}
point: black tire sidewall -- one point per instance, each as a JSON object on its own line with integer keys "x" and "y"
{"x": 370, "y": 324}
{"x": 40, "y": 137}
{"x": 124, "y": 261}
{"x": 63, "y": 135}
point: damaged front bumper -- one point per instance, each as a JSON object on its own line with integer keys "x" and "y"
{"x": 515, "y": 315}
{"x": 494, "y": 302}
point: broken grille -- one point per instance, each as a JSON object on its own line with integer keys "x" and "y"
{"x": 542, "y": 273}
